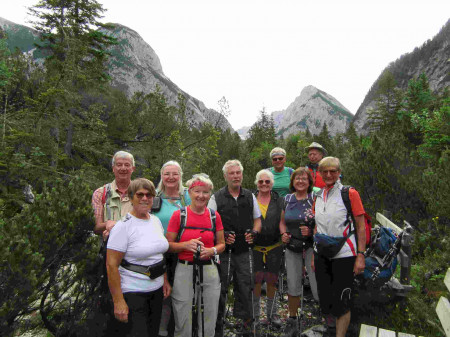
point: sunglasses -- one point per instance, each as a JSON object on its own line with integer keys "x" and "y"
{"x": 140, "y": 195}
{"x": 264, "y": 181}
{"x": 277, "y": 158}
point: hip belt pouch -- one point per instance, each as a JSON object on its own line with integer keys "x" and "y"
{"x": 153, "y": 271}
{"x": 328, "y": 246}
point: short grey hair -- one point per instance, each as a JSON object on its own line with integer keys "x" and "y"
{"x": 277, "y": 151}
{"x": 267, "y": 173}
{"x": 122, "y": 154}
{"x": 232, "y": 162}
{"x": 200, "y": 177}
{"x": 161, "y": 187}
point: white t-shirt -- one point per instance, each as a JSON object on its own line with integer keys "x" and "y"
{"x": 143, "y": 243}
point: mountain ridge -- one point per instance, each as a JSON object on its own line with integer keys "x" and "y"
{"x": 133, "y": 67}
{"x": 432, "y": 58}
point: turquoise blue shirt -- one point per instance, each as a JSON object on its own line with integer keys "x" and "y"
{"x": 282, "y": 180}
{"x": 169, "y": 206}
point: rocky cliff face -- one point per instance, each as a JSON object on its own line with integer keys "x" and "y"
{"x": 19, "y": 36}
{"x": 134, "y": 67}
{"x": 311, "y": 110}
{"x": 432, "y": 59}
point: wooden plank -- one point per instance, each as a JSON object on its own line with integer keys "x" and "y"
{"x": 368, "y": 331}
{"x": 385, "y": 333}
{"x": 443, "y": 312}
{"x": 402, "y": 334}
{"x": 388, "y": 223}
{"x": 447, "y": 280}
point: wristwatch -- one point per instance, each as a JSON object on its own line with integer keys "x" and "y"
{"x": 360, "y": 252}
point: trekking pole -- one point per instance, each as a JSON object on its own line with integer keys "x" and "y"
{"x": 225, "y": 312}
{"x": 281, "y": 275}
{"x": 202, "y": 304}
{"x": 303, "y": 286}
{"x": 252, "y": 285}
{"x": 195, "y": 281}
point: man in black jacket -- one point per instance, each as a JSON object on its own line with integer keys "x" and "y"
{"x": 240, "y": 214}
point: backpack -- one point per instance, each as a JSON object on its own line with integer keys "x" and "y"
{"x": 367, "y": 219}
{"x": 183, "y": 221}
{"x": 381, "y": 256}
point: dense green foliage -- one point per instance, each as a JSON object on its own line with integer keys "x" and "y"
{"x": 61, "y": 123}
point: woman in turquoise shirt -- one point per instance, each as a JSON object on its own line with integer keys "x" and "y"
{"x": 173, "y": 196}
{"x": 281, "y": 174}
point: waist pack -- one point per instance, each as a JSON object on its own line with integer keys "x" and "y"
{"x": 153, "y": 271}
{"x": 329, "y": 246}
{"x": 297, "y": 244}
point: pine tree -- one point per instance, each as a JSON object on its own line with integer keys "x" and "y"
{"x": 262, "y": 131}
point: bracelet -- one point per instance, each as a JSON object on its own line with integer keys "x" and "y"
{"x": 360, "y": 252}
{"x": 215, "y": 251}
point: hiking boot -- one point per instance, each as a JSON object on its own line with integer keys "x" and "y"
{"x": 276, "y": 321}
{"x": 243, "y": 328}
{"x": 330, "y": 321}
{"x": 272, "y": 313}
{"x": 291, "y": 329}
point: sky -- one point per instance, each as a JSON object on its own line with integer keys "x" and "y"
{"x": 261, "y": 54}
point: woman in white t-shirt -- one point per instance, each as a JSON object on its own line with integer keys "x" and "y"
{"x": 136, "y": 267}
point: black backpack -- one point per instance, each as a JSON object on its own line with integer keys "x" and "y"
{"x": 183, "y": 221}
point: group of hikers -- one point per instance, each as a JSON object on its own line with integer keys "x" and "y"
{"x": 173, "y": 251}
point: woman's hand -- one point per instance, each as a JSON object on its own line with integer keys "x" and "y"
{"x": 167, "y": 289}
{"x": 360, "y": 264}
{"x": 206, "y": 253}
{"x": 191, "y": 245}
{"x": 306, "y": 231}
{"x": 121, "y": 311}
{"x": 286, "y": 237}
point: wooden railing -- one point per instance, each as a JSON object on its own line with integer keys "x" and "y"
{"x": 443, "y": 307}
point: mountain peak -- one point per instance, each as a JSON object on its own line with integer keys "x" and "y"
{"x": 311, "y": 110}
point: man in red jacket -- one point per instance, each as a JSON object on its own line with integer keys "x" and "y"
{"x": 315, "y": 154}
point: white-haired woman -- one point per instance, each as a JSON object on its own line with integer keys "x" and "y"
{"x": 281, "y": 173}
{"x": 268, "y": 249}
{"x": 172, "y": 196}
{"x": 191, "y": 229}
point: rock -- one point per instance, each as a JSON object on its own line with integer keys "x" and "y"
{"x": 311, "y": 110}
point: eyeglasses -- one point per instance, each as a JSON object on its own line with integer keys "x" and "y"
{"x": 325, "y": 172}
{"x": 140, "y": 195}
{"x": 171, "y": 174}
{"x": 264, "y": 181}
{"x": 301, "y": 179}
{"x": 277, "y": 158}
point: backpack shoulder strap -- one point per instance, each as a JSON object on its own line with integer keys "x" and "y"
{"x": 291, "y": 170}
{"x": 183, "y": 197}
{"x": 348, "y": 205}
{"x": 106, "y": 193}
{"x": 183, "y": 221}
{"x": 212, "y": 216}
